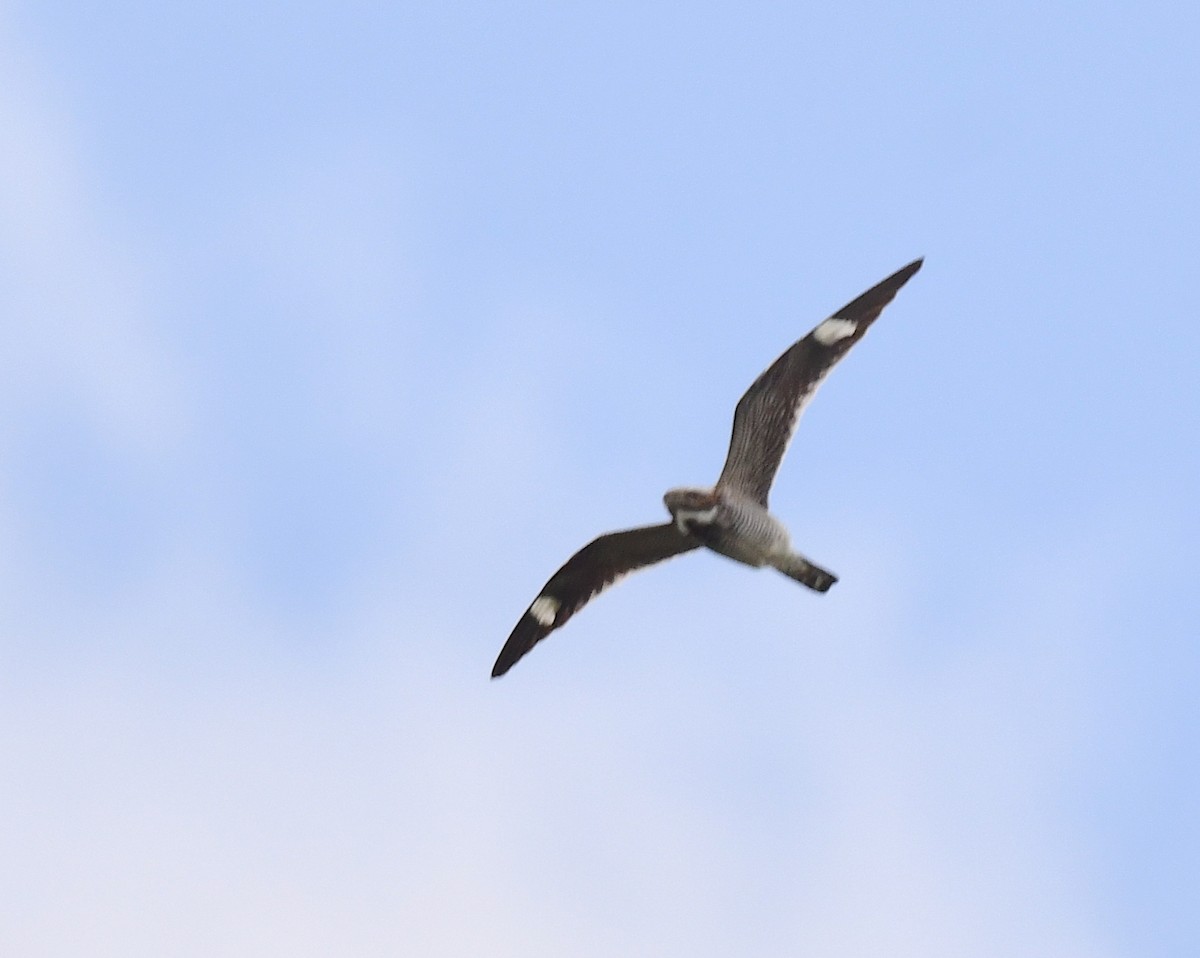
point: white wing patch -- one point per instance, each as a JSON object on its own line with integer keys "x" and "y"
{"x": 834, "y": 330}
{"x": 544, "y": 609}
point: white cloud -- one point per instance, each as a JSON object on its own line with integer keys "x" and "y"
{"x": 73, "y": 297}
{"x": 217, "y": 792}
{"x": 715, "y": 763}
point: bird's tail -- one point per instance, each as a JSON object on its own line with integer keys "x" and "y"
{"x": 795, "y": 566}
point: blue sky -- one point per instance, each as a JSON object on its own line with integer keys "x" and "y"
{"x": 329, "y": 331}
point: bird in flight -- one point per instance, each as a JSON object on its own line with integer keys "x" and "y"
{"x": 733, "y": 517}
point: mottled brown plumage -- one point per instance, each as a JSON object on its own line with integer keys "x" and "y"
{"x": 766, "y": 417}
{"x": 732, "y": 518}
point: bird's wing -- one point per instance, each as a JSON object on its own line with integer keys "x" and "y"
{"x": 587, "y": 573}
{"x": 766, "y": 417}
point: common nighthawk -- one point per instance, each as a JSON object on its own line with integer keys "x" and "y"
{"x": 732, "y": 518}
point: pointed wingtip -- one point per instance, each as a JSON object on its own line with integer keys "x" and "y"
{"x": 892, "y": 285}
{"x": 906, "y": 273}
{"x": 866, "y": 308}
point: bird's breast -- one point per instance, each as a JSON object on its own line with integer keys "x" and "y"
{"x": 743, "y": 531}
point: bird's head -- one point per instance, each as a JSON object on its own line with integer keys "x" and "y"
{"x": 691, "y": 507}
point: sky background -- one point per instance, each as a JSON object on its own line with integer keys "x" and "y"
{"x": 328, "y": 331}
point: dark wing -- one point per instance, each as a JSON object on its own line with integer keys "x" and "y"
{"x": 587, "y": 573}
{"x": 766, "y": 416}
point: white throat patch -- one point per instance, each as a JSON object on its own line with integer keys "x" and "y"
{"x": 833, "y": 330}
{"x": 700, "y": 517}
